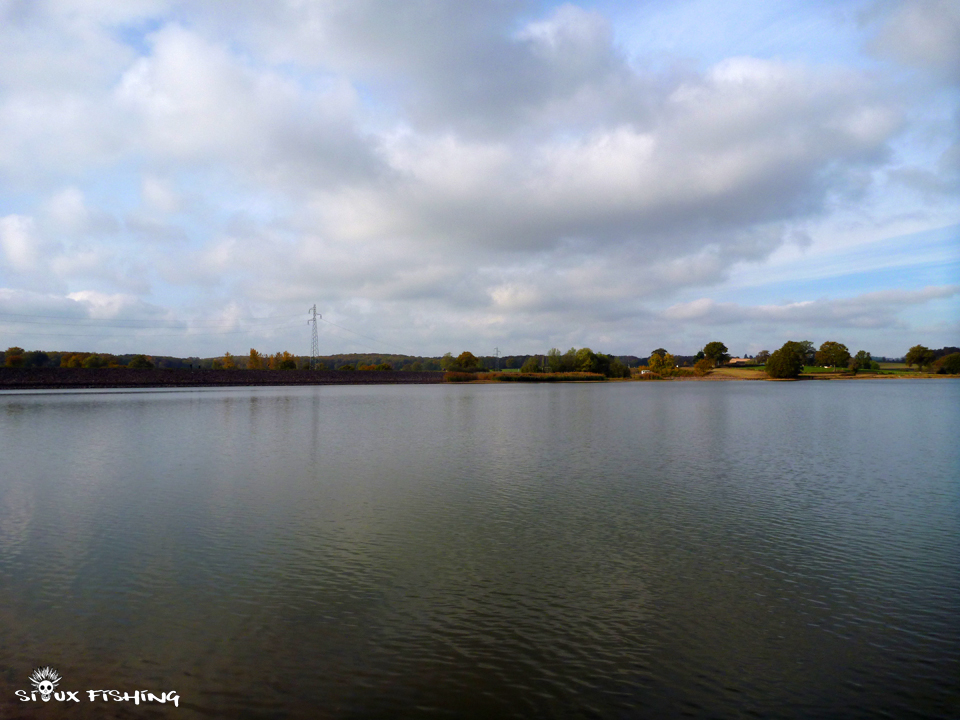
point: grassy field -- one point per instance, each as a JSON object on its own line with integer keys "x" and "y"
{"x": 740, "y": 373}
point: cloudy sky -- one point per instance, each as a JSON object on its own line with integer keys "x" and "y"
{"x": 186, "y": 178}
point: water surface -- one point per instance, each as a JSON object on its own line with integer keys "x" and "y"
{"x": 617, "y": 550}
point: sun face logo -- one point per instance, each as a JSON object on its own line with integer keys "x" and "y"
{"x": 45, "y": 680}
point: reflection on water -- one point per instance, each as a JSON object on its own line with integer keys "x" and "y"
{"x": 634, "y": 550}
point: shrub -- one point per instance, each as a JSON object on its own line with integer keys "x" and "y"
{"x": 703, "y": 366}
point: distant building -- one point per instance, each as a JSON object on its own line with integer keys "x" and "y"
{"x": 740, "y": 361}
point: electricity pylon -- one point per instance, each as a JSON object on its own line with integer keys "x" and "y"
{"x": 315, "y": 344}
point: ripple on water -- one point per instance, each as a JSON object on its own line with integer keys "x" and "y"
{"x": 721, "y": 549}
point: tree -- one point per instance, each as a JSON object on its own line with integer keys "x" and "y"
{"x": 762, "y": 357}
{"x": 617, "y": 368}
{"x": 447, "y": 362}
{"x": 655, "y": 363}
{"x": 93, "y": 361}
{"x": 786, "y": 362}
{"x": 716, "y": 351}
{"x": 140, "y": 362}
{"x": 833, "y": 354}
{"x": 803, "y": 348}
{"x": 286, "y": 361}
{"x": 860, "y": 361}
{"x": 256, "y": 360}
{"x": 587, "y": 361}
{"x": 807, "y": 351}
{"x": 659, "y": 351}
{"x": 949, "y": 364}
{"x": 36, "y": 359}
{"x": 13, "y": 357}
{"x": 920, "y": 356}
{"x": 554, "y": 360}
{"x": 703, "y": 366}
{"x": 227, "y": 362}
{"x": 531, "y": 365}
{"x": 467, "y": 361}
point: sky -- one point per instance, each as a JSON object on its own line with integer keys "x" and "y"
{"x": 189, "y": 178}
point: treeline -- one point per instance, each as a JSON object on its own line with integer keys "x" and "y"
{"x": 255, "y": 360}
{"x": 18, "y": 357}
{"x": 573, "y": 360}
{"x": 787, "y": 361}
{"x": 790, "y": 360}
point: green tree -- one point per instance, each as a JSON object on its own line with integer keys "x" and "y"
{"x": 762, "y": 357}
{"x": 532, "y": 365}
{"x": 617, "y": 368}
{"x": 13, "y": 357}
{"x": 287, "y": 361}
{"x": 140, "y": 362}
{"x": 949, "y": 364}
{"x": 93, "y": 361}
{"x": 36, "y": 359}
{"x": 786, "y": 362}
{"x": 860, "y": 361}
{"x": 803, "y": 348}
{"x": 554, "y": 360}
{"x": 833, "y": 354}
{"x": 587, "y": 361}
{"x": 448, "y": 362}
{"x": 920, "y": 356}
{"x": 716, "y": 351}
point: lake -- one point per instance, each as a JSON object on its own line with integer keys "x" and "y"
{"x": 627, "y": 550}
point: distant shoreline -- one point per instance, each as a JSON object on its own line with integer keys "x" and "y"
{"x": 105, "y": 378}
{"x": 86, "y": 378}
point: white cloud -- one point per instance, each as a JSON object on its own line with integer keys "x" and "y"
{"x": 19, "y": 243}
{"x": 869, "y": 310}
{"x": 490, "y": 167}
{"x": 924, "y": 33}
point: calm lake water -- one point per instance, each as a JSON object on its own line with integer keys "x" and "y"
{"x": 632, "y": 550}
